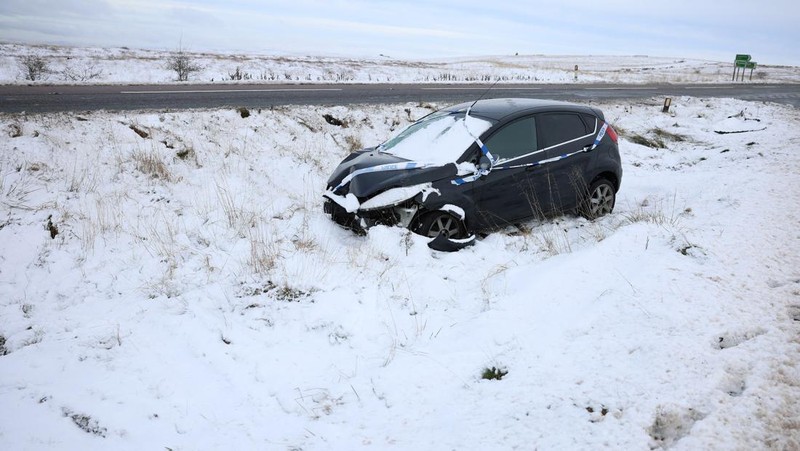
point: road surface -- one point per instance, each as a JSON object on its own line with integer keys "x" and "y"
{"x": 40, "y": 99}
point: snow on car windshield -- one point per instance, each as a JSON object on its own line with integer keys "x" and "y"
{"x": 440, "y": 138}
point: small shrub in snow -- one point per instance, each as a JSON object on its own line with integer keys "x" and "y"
{"x": 87, "y": 71}
{"x": 239, "y": 75}
{"x": 244, "y": 112}
{"x": 34, "y": 67}
{"x": 3, "y": 350}
{"x": 493, "y": 373}
{"x": 257, "y": 290}
{"x": 182, "y": 64}
{"x": 14, "y": 131}
{"x": 286, "y": 293}
{"x": 85, "y": 423}
{"x": 185, "y": 154}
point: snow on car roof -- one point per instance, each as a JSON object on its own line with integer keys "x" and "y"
{"x": 497, "y": 109}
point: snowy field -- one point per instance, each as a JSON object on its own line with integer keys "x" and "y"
{"x": 168, "y": 281}
{"x": 69, "y": 65}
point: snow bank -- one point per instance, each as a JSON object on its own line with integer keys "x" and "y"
{"x": 168, "y": 279}
{"x": 77, "y": 65}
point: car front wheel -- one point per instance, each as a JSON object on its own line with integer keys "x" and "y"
{"x": 600, "y": 200}
{"x": 438, "y": 222}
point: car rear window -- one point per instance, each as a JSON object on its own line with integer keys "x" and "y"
{"x": 558, "y": 128}
{"x": 591, "y": 122}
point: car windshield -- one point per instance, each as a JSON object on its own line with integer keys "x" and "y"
{"x": 438, "y": 138}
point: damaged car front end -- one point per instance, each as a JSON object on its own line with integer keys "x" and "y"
{"x": 405, "y": 179}
{"x": 396, "y": 196}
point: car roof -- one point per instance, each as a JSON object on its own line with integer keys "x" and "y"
{"x": 499, "y": 109}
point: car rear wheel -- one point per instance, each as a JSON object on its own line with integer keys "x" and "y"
{"x": 600, "y": 200}
{"x": 438, "y": 222}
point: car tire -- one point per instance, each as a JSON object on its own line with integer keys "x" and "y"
{"x": 600, "y": 199}
{"x": 432, "y": 224}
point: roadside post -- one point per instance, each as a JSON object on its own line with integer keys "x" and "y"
{"x": 750, "y": 65}
{"x": 667, "y": 104}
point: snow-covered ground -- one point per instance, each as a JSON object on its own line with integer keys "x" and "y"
{"x": 169, "y": 281}
{"x": 122, "y": 65}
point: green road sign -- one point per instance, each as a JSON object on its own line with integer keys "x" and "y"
{"x": 742, "y": 61}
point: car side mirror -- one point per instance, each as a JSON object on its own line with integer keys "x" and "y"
{"x": 484, "y": 164}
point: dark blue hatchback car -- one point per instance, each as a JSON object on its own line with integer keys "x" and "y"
{"x": 480, "y": 166}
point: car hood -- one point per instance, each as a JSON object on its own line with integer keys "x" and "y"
{"x": 370, "y": 183}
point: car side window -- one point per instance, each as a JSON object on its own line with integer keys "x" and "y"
{"x": 591, "y": 122}
{"x": 514, "y": 140}
{"x": 558, "y": 128}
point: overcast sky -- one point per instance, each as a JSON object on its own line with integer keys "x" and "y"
{"x": 708, "y": 29}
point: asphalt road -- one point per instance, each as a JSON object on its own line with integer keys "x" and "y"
{"x": 39, "y": 99}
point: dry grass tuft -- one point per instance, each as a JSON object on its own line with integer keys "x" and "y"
{"x": 353, "y": 143}
{"x": 151, "y": 164}
{"x": 656, "y": 138}
{"x": 657, "y": 213}
{"x": 264, "y": 251}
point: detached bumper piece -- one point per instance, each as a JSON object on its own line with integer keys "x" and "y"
{"x": 361, "y": 220}
{"x": 342, "y": 217}
{"x": 444, "y": 244}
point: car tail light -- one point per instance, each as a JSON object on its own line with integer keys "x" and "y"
{"x": 612, "y": 134}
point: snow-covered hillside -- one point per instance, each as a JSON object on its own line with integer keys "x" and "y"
{"x": 76, "y": 65}
{"x": 169, "y": 281}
